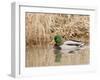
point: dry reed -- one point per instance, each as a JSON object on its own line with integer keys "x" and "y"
{"x": 42, "y": 27}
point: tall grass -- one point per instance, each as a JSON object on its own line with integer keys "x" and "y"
{"x": 42, "y": 27}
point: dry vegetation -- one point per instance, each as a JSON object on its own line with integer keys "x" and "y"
{"x": 41, "y": 27}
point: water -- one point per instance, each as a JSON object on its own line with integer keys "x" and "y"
{"x": 37, "y": 56}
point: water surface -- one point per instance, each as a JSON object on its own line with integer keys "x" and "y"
{"x": 37, "y": 56}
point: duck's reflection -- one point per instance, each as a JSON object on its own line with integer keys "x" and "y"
{"x": 58, "y": 55}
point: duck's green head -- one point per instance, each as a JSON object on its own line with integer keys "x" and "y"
{"x": 58, "y": 40}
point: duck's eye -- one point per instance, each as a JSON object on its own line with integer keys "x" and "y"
{"x": 62, "y": 36}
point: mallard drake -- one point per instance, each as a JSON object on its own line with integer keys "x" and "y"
{"x": 68, "y": 46}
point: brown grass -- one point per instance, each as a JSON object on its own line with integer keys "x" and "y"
{"x": 41, "y": 27}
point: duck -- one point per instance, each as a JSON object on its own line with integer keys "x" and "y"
{"x": 68, "y": 46}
